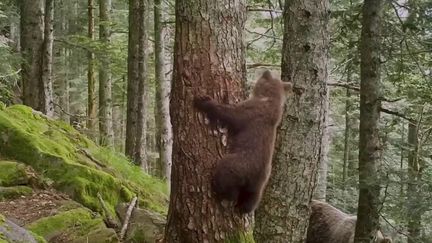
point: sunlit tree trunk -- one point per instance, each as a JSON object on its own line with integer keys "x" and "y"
{"x": 91, "y": 77}
{"x": 162, "y": 115}
{"x": 284, "y": 211}
{"x": 369, "y": 145}
{"x": 208, "y": 59}
{"x": 47, "y": 59}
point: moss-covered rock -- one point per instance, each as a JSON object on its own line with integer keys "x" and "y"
{"x": 75, "y": 164}
{"x": 76, "y": 225}
{"x": 10, "y": 232}
{"x": 144, "y": 226}
{"x": 14, "y": 192}
{"x": 13, "y": 174}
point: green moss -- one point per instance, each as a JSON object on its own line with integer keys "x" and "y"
{"x": 14, "y": 192}
{"x": 74, "y": 163}
{"x": 241, "y": 237}
{"x": 12, "y": 174}
{"x": 38, "y": 238}
{"x": 73, "y": 224}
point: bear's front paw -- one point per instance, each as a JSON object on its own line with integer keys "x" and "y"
{"x": 202, "y": 101}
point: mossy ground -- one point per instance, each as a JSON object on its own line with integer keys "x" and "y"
{"x": 73, "y": 225}
{"x": 74, "y": 163}
{"x": 12, "y": 174}
{"x": 14, "y": 192}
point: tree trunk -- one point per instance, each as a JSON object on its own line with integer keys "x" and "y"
{"x": 36, "y": 75}
{"x": 369, "y": 146}
{"x": 162, "y": 115}
{"x": 63, "y": 83}
{"x": 106, "y": 131}
{"x": 47, "y": 59}
{"x": 298, "y": 148}
{"x": 91, "y": 77}
{"x": 137, "y": 86}
{"x": 208, "y": 59}
{"x": 413, "y": 190}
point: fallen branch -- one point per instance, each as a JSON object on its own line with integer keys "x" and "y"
{"x": 127, "y": 217}
{"x": 109, "y": 221}
{"x": 344, "y": 85}
{"x": 86, "y": 153}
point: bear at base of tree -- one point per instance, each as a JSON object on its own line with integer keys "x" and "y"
{"x": 242, "y": 174}
{"x": 328, "y": 224}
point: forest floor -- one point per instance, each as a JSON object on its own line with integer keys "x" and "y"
{"x": 27, "y": 209}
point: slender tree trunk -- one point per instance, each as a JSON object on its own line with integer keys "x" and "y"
{"x": 47, "y": 59}
{"x": 413, "y": 190}
{"x": 91, "y": 77}
{"x": 63, "y": 83}
{"x": 162, "y": 115}
{"x": 106, "y": 131}
{"x": 348, "y": 131}
{"x": 208, "y": 59}
{"x": 369, "y": 146}
{"x": 36, "y": 73}
{"x": 298, "y": 148}
{"x": 137, "y": 86}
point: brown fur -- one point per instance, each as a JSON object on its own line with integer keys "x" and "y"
{"x": 242, "y": 174}
{"x": 328, "y": 224}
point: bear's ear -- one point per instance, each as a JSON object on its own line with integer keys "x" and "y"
{"x": 267, "y": 75}
{"x": 288, "y": 87}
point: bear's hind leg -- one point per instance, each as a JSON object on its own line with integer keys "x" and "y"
{"x": 248, "y": 201}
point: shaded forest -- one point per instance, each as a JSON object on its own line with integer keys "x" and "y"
{"x": 112, "y": 130}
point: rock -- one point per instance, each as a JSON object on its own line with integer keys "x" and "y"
{"x": 76, "y": 225}
{"x": 13, "y": 174}
{"x": 74, "y": 164}
{"x": 144, "y": 226}
{"x": 12, "y": 233}
{"x": 14, "y": 192}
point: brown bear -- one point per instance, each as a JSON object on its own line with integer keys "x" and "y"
{"x": 328, "y": 224}
{"x": 242, "y": 174}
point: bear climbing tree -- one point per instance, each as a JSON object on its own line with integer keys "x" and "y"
{"x": 242, "y": 174}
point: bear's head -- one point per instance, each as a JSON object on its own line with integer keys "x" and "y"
{"x": 271, "y": 88}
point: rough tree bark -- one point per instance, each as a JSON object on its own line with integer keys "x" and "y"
{"x": 413, "y": 190}
{"x": 369, "y": 146}
{"x": 284, "y": 211}
{"x": 208, "y": 59}
{"x": 37, "y": 54}
{"x": 162, "y": 115}
{"x": 91, "y": 77}
{"x": 106, "y": 131}
{"x": 136, "y": 95}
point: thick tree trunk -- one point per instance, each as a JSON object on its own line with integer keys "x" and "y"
{"x": 137, "y": 86}
{"x": 413, "y": 190}
{"x": 36, "y": 77}
{"x": 208, "y": 59}
{"x": 162, "y": 115}
{"x": 369, "y": 146}
{"x": 106, "y": 131}
{"x": 91, "y": 77}
{"x": 284, "y": 211}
